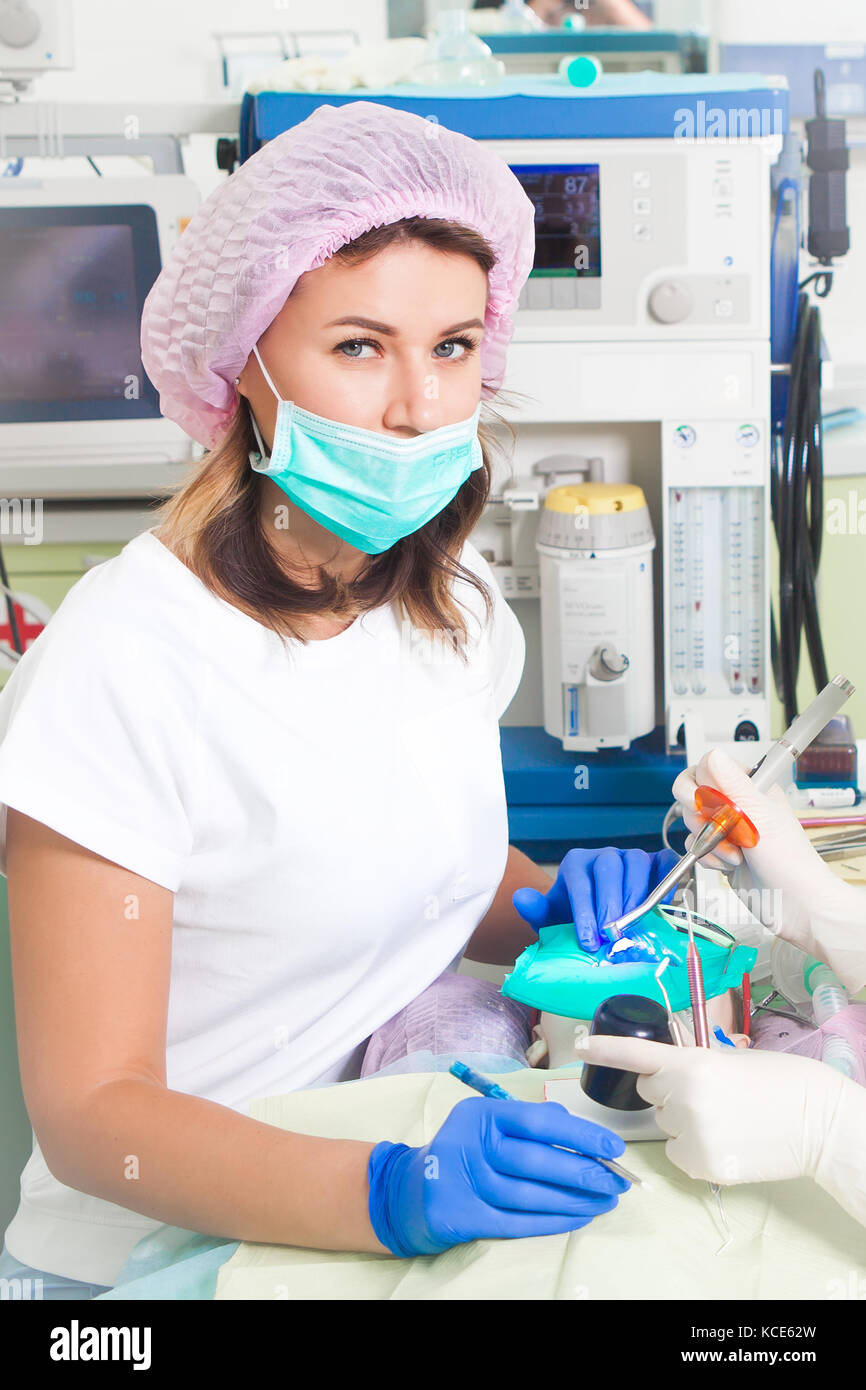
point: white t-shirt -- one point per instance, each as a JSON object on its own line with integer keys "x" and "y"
{"x": 330, "y": 817}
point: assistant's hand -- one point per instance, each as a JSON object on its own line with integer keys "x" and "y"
{"x": 594, "y": 887}
{"x": 744, "y": 1116}
{"x": 782, "y": 837}
{"x": 492, "y": 1171}
{"x": 783, "y": 881}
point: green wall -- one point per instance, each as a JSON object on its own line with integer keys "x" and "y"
{"x": 842, "y": 607}
{"x": 15, "y": 1135}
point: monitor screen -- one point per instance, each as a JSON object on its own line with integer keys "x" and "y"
{"x": 73, "y": 281}
{"x": 567, "y": 217}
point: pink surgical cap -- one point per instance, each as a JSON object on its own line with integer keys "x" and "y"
{"x": 342, "y": 171}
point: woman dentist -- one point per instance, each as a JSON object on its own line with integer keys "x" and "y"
{"x": 744, "y": 1116}
{"x": 250, "y": 772}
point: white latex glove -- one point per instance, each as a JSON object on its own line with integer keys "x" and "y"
{"x": 783, "y": 881}
{"x": 736, "y": 1115}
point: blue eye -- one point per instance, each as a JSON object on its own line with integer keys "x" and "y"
{"x": 467, "y": 345}
{"x": 354, "y": 343}
{"x": 352, "y": 348}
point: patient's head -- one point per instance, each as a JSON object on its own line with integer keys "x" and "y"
{"x": 554, "y": 1036}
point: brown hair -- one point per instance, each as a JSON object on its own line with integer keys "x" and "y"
{"x": 212, "y": 523}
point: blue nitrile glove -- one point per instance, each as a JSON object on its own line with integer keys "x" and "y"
{"x": 491, "y": 1171}
{"x": 594, "y": 887}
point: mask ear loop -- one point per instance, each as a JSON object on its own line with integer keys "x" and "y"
{"x": 265, "y": 373}
{"x": 263, "y": 457}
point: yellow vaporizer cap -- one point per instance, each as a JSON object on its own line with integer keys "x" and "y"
{"x": 599, "y": 499}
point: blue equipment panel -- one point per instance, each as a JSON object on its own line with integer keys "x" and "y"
{"x": 690, "y": 47}
{"x": 595, "y": 40}
{"x": 621, "y": 106}
{"x": 557, "y": 800}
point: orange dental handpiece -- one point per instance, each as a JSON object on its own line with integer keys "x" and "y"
{"x": 718, "y": 809}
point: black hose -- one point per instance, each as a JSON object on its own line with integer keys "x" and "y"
{"x": 797, "y": 484}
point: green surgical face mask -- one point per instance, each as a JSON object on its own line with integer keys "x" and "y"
{"x": 556, "y": 976}
{"x": 367, "y": 488}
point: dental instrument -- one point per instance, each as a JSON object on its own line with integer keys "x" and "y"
{"x": 844, "y": 837}
{"x": 702, "y": 1039}
{"x": 673, "y": 1024}
{"x": 842, "y": 853}
{"x": 819, "y": 822}
{"x": 766, "y": 1006}
{"x": 747, "y": 1007}
{"x": 837, "y": 846}
{"x": 725, "y": 820}
{"x": 486, "y": 1087}
{"x": 696, "y": 991}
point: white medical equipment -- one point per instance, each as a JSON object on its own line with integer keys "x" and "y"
{"x": 35, "y": 37}
{"x": 77, "y": 259}
{"x": 595, "y": 544}
{"x": 654, "y": 360}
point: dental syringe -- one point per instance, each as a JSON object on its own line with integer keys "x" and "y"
{"x": 723, "y": 818}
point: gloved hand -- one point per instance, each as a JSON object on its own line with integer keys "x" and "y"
{"x": 594, "y": 887}
{"x": 745, "y": 1116}
{"x": 783, "y": 881}
{"x": 492, "y": 1171}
